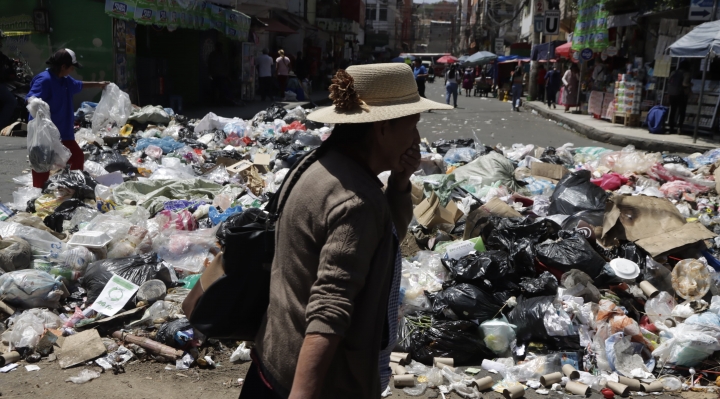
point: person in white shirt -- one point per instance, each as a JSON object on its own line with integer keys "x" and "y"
{"x": 264, "y": 65}
{"x": 282, "y": 67}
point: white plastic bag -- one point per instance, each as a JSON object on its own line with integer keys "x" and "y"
{"x": 85, "y": 375}
{"x": 45, "y": 148}
{"x": 241, "y": 354}
{"x": 114, "y": 107}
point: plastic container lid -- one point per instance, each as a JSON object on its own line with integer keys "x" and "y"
{"x": 91, "y": 239}
{"x": 625, "y": 269}
{"x": 691, "y": 279}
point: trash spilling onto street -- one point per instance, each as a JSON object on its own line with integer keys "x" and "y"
{"x": 560, "y": 270}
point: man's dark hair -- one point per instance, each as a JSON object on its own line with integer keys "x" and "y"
{"x": 58, "y": 60}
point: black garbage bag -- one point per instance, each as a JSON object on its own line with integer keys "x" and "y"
{"x": 275, "y": 111}
{"x": 468, "y": 302}
{"x": 528, "y": 317}
{"x": 545, "y": 284}
{"x": 137, "y": 269}
{"x": 192, "y": 143}
{"x": 113, "y": 161}
{"x": 79, "y": 181}
{"x": 550, "y": 156}
{"x": 64, "y": 211}
{"x": 518, "y": 236}
{"x": 443, "y": 146}
{"x": 177, "y": 333}
{"x": 492, "y": 270}
{"x": 630, "y": 251}
{"x": 457, "y": 339}
{"x": 574, "y": 193}
{"x": 570, "y": 251}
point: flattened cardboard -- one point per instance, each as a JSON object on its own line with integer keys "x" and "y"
{"x": 262, "y": 162}
{"x": 496, "y": 207}
{"x": 239, "y": 167}
{"x": 430, "y": 213}
{"x": 549, "y": 170}
{"x": 80, "y": 348}
{"x": 690, "y": 233}
{"x": 653, "y": 223}
{"x": 416, "y": 194}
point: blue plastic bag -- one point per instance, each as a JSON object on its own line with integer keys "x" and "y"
{"x": 167, "y": 144}
{"x": 217, "y": 217}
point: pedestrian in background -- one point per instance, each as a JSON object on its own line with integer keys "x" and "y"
{"x": 421, "y": 74}
{"x": 571, "y": 81}
{"x": 540, "y": 80}
{"x": 468, "y": 81}
{"x": 56, "y": 87}
{"x": 553, "y": 81}
{"x": 8, "y": 103}
{"x": 452, "y": 78}
{"x": 332, "y": 320}
{"x": 282, "y": 67}
{"x": 516, "y": 89}
{"x": 679, "y": 90}
{"x": 264, "y": 65}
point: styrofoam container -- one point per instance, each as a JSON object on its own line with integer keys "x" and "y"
{"x": 90, "y": 239}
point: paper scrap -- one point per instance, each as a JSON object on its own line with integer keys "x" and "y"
{"x": 32, "y": 367}
{"x": 9, "y": 367}
{"x": 114, "y": 296}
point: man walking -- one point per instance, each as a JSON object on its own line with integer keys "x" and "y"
{"x": 264, "y": 65}
{"x": 552, "y": 85}
{"x": 421, "y": 74}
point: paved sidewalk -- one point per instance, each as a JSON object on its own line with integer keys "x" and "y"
{"x": 251, "y": 108}
{"x": 606, "y": 132}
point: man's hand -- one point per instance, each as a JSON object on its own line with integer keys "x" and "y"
{"x": 409, "y": 163}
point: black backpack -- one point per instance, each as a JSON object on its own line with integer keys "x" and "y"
{"x": 233, "y": 305}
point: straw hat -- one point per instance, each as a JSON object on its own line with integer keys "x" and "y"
{"x": 371, "y": 93}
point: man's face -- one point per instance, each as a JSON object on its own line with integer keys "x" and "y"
{"x": 66, "y": 70}
{"x": 417, "y": 64}
{"x": 395, "y": 137}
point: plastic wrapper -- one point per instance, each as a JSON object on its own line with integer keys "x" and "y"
{"x": 467, "y": 302}
{"x": 241, "y": 354}
{"x": 84, "y": 376}
{"x": 519, "y": 151}
{"x": 114, "y": 108}
{"x": 25, "y": 331}
{"x": 15, "y": 254}
{"x": 533, "y": 368}
{"x": 458, "y": 339}
{"x": 136, "y": 269}
{"x": 75, "y": 183}
{"x": 498, "y": 335}
{"x": 185, "y": 250}
{"x": 22, "y": 196}
{"x": 113, "y": 161}
{"x": 218, "y": 175}
{"x": 31, "y": 288}
{"x": 417, "y": 390}
{"x": 45, "y": 148}
{"x": 570, "y": 251}
{"x": 539, "y": 187}
{"x": 63, "y": 212}
{"x": 459, "y": 155}
{"x": 150, "y": 145}
{"x": 574, "y": 193}
{"x": 610, "y": 181}
{"x": 544, "y": 285}
{"x": 135, "y": 242}
{"x": 43, "y": 244}
{"x": 162, "y": 311}
{"x": 177, "y": 334}
{"x": 629, "y": 160}
{"x": 182, "y": 220}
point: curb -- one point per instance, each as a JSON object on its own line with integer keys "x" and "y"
{"x": 592, "y": 133}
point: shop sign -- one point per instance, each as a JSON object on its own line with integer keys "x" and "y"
{"x": 611, "y": 51}
{"x": 552, "y": 22}
{"x": 586, "y": 54}
{"x": 539, "y": 22}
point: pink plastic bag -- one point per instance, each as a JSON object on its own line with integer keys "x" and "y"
{"x": 610, "y": 181}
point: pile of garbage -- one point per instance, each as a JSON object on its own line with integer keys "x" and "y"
{"x": 556, "y": 269}
{"x": 95, "y": 265}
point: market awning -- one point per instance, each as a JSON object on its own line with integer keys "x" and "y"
{"x": 480, "y": 58}
{"x": 273, "y": 25}
{"x": 699, "y": 42}
{"x": 564, "y": 50}
{"x": 512, "y": 58}
{"x": 545, "y": 51}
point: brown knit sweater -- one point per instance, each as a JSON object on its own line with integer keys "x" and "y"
{"x": 331, "y": 274}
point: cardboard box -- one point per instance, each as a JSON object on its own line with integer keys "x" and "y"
{"x": 430, "y": 213}
{"x": 549, "y": 170}
{"x": 652, "y": 223}
{"x": 239, "y": 167}
{"x": 497, "y": 207}
{"x": 416, "y": 194}
{"x": 262, "y": 162}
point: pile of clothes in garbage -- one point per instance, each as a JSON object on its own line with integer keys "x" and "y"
{"x": 555, "y": 269}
